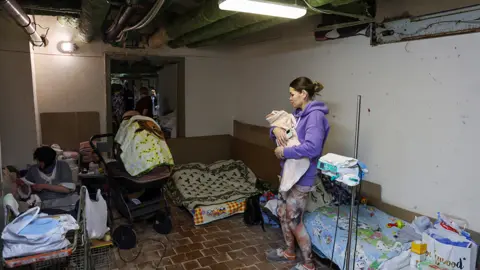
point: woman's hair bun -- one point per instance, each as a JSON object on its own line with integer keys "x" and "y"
{"x": 317, "y": 87}
{"x": 305, "y": 84}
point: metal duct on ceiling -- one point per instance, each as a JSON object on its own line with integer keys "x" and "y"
{"x": 207, "y": 14}
{"x": 238, "y": 33}
{"x": 21, "y": 18}
{"x": 91, "y": 18}
{"x": 217, "y": 28}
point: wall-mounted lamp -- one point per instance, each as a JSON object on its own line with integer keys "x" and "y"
{"x": 66, "y": 47}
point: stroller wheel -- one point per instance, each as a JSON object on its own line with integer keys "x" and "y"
{"x": 162, "y": 223}
{"x": 124, "y": 237}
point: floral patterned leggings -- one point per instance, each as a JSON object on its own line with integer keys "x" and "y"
{"x": 290, "y": 212}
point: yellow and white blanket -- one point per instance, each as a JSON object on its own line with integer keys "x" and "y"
{"x": 142, "y": 149}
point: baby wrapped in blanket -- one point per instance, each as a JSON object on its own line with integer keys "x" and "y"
{"x": 293, "y": 169}
{"x": 143, "y": 145}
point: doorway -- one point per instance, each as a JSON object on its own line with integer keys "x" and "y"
{"x": 159, "y": 79}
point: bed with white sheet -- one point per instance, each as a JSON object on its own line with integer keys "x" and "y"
{"x": 212, "y": 192}
{"x": 376, "y": 241}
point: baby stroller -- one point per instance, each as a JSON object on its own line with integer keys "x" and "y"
{"x": 122, "y": 188}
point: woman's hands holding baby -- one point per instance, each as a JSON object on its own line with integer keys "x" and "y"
{"x": 281, "y": 136}
{"x": 279, "y": 152}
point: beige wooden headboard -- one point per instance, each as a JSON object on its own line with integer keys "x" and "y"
{"x": 68, "y": 129}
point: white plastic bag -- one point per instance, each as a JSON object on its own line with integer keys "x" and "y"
{"x": 96, "y": 214}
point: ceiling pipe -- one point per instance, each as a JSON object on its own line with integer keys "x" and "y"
{"x": 119, "y": 24}
{"x": 145, "y": 21}
{"x": 21, "y": 18}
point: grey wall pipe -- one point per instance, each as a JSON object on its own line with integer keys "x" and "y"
{"x": 21, "y": 18}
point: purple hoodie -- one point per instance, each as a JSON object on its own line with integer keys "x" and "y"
{"x": 312, "y": 130}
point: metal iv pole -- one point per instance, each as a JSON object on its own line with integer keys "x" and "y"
{"x": 354, "y": 188}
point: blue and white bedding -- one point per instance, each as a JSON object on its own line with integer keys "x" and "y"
{"x": 376, "y": 242}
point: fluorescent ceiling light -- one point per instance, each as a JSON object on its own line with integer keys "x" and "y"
{"x": 263, "y": 8}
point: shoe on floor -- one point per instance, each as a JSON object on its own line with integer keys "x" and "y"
{"x": 279, "y": 255}
{"x": 301, "y": 266}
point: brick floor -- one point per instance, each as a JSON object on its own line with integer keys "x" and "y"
{"x": 222, "y": 245}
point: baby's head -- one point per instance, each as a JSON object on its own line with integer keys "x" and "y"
{"x": 129, "y": 114}
{"x": 280, "y": 119}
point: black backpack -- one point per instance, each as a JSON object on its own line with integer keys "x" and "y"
{"x": 253, "y": 213}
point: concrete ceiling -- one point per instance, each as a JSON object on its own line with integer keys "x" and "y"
{"x": 191, "y": 23}
{"x": 176, "y": 13}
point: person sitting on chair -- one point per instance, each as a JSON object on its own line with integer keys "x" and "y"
{"x": 52, "y": 183}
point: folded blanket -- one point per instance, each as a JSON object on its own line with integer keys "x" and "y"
{"x": 33, "y": 233}
{"x": 293, "y": 169}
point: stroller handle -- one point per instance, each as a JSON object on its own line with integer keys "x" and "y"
{"x": 94, "y": 147}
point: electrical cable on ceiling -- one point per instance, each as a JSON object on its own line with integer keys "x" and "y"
{"x": 35, "y": 24}
{"x": 332, "y": 12}
{"x": 39, "y": 43}
{"x": 143, "y": 22}
{"x": 44, "y": 28}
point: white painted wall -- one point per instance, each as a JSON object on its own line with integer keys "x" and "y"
{"x": 210, "y": 91}
{"x": 167, "y": 86}
{"x": 17, "y": 106}
{"x": 76, "y": 82}
{"x": 69, "y": 83}
{"x": 420, "y": 120}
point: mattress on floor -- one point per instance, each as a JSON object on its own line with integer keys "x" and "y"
{"x": 376, "y": 242}
{"x": 212, "y": 192}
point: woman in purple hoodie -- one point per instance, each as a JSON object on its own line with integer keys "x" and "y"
{"x": 312, "y": 129}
